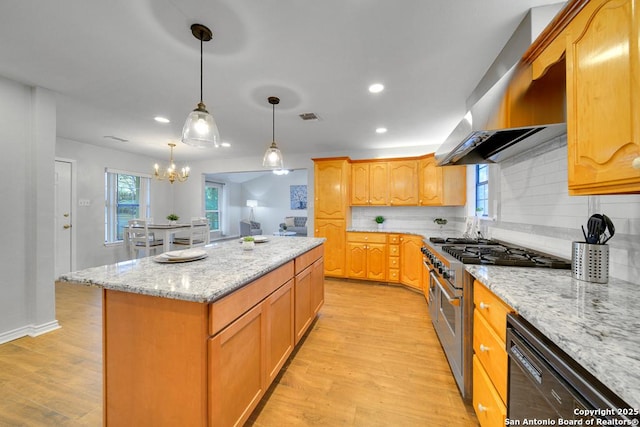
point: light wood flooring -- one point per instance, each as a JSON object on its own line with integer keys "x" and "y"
{"x": 371, "y": 359}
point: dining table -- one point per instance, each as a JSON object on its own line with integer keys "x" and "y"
{"x": 167, "y": 231}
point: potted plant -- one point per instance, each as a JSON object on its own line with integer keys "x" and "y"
{"x": 379, "y": 220}
{"x": 248, "y": 242}
{"x": 441, "y": 222}
{"x": 172, "y": 218}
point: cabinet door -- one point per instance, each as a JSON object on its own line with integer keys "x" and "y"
{"x": 359, "y": 183}
{"x": 376, "y": 261}
{"x": 411, "y": 261}
{"x": 356, "y": 260}
{"x": 378, "y": 184}
{"x": 280, "y": 338}
{"x": 602, "y": 98}
{"x": 236, "y": 369}
{"x": 334, "y": 246}
{"x": 441, "y": 186}
{"x": 331, "y": 182}
{"x": 303, "y": 310}
{"x": 430, "y": 180}
{"x": 317, "y": 285}
{"x": 403, "y": 182}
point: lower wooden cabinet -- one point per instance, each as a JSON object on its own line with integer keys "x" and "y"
{"x": 367, "y": 256}
{"x": 335, "y": 245}
{"x": 411, "y": 261}
{"x": 490, "y": 360}
{"x": 171, "y": 362}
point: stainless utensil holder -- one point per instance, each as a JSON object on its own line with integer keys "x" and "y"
{"x": 590, "y": 263}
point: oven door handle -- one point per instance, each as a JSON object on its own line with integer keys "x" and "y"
{"x": 452, "y": 300}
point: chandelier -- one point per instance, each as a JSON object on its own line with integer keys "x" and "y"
{"x": 171, "y": 174}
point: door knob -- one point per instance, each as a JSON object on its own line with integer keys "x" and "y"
{"x": 636, "y": 163}
{"x": 66, "y": 215}
{"x": 66, "y": 226}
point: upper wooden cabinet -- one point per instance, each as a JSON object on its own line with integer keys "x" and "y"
{"x": 441, "y": 186}
{"x": 369, "y": 183}
{"x": 403, "y": 185}
{"x": 331, "y": 188}
{"x": 603, "y": 98}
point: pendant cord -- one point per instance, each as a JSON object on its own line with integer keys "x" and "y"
{"x": 273, "y": 122}
{"x": 201, "y": 37}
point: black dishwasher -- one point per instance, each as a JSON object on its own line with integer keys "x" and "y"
{"x": 546, "y": 386}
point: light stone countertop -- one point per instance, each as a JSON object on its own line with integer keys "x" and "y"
{"x": 598, "y": 325}
{"x": 226, "y": 268}
{"x": 384, "y": 230}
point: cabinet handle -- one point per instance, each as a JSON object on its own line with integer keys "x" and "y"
{"x": 483, "y": 306}
{"x": 635, "y": 163}
{"x": 482, "y": 408}
{"x": 484, "y": 348}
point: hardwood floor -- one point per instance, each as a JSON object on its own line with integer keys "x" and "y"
{"x": 370, "y": 359}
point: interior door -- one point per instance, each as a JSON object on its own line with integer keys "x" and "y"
{"x": 63, "y": 220}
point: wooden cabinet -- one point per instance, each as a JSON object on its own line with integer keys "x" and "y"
{"x": 172, "y": 362}
{"x": 331, "y": 180}
{"x": 393, "y": 265}
{"x": 441, "y": 186}
{"x": 403, "y": 183}
{"x": 490, "y": 361}
{"x": 369, "y": 183}
{"x": 331, "y": 211}
{"x": 367, "y": 256}
{"x": 411, "y": 261}
{"x": 603, "y": 102}
{"x": 335, "y": 245}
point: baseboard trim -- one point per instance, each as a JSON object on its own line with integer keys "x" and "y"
{"x": 29, "y": 330}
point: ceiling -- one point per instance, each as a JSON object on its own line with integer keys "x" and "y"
{"x": 114, "y": 65}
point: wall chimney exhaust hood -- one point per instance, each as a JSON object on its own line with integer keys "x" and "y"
{"x": 473, "y": 140}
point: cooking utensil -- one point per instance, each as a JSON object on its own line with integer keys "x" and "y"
{"x": 595, "y": 227}
{"x": 610, "y": 229}
{"x": 584, "y": 233}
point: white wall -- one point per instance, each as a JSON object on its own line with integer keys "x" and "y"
{"x": 534, "y": 209}
{"x": 91, "y": 162}
{"x": 27, "y": 140}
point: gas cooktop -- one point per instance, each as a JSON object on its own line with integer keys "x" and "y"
{"x": 495, "y": 253}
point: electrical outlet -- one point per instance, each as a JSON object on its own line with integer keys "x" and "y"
{"x": 84, "y": 202}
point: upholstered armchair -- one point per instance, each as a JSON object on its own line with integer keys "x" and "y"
{"x": 295, "y": 223}
{"x": 250, "y": 228}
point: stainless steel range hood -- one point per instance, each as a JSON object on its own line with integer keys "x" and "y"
{"x": 474, "y": 140}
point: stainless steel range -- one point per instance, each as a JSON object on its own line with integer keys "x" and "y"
{"x": 450, "y": 291}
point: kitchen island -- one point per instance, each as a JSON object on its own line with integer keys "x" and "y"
{"x": 198, "y": 343}
{"x": 595, "y": 324}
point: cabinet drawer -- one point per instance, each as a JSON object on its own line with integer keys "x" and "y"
{"x": 394, "y": 262}
{"x": 367, "y": 237}
{"x": 492, "y": 308}
{"x": 490, "y": 351}
{"x": 394, "y": 275}
{"x": 394, "y": 239}
{"x": 394, "y": 250}
{"x": 489, "y": 408}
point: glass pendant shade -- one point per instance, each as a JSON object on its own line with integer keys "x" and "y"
{"x": 273, "y": 157}
{"x": 200, "y": 129}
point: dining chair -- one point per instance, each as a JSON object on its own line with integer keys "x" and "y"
{"x": 139, "y": 238}
{"x": 198, "y": 234}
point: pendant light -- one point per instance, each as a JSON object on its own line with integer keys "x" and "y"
{"x": 273, "y": 157}
{"x": 200, "y": 130}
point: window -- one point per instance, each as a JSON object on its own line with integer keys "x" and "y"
{"x": 482, "y": 190}
{"x": 212, "y": 203}
{"x": 126, "y": 197}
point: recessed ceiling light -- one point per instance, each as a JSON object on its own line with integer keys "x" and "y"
{"x": 376, "y": 88}
{"x": 381, "y": 130}
{"x": 161, "y": 119}
{"x": 225, "y": 144}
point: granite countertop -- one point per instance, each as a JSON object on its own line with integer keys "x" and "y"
{"x": 226, "y": 268}
{"x": 384, "y": 230}
{"x": 598, "y": 325}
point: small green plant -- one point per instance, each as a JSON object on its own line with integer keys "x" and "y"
{"x": 440, "y": 221}
{"x": 248, "y": 239}
{"x": 173, "y": 217}
{"x": 379, "y": 219}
